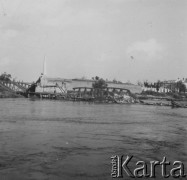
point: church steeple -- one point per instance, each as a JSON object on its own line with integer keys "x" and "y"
{"x": 44, "y": 67}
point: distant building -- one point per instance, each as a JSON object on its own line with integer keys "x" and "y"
{"x": 164, "y": 86}
{"x": 58, "y": 85}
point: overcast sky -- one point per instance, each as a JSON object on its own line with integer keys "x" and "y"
{"x": 122, "y": 39}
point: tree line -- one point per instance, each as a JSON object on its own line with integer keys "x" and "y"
{"x": 5, "y": 77}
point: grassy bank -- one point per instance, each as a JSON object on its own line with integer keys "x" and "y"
{"x": 157, "y": 95}
{"x": 7, "y": 94}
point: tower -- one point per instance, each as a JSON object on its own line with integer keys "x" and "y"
{"x": 44, "y": 67}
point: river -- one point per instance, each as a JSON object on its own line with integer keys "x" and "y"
{"x": 61, "y": 140}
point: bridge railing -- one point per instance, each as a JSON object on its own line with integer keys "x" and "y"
{"x": 14, "y": 86}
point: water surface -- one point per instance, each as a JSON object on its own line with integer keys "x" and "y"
{"x": 43, "y": 139}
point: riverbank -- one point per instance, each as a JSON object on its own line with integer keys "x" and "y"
{"x": 144, "y": 98}
{"x": 163, "y": 99}
{"x": 167, "y": 96}
{"x": 7, "y": 94}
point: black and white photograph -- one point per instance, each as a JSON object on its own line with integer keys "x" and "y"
{"x": 93, "y": 89}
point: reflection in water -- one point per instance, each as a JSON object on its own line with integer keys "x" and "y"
{"x": 43, "y": 139}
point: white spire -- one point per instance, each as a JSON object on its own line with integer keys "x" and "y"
{"x": 44, "y": 67}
